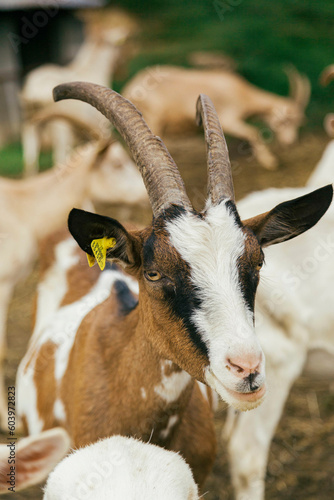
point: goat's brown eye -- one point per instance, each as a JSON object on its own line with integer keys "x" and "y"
{"x": 259, "y": 265}
{"x": 152, "y": 275}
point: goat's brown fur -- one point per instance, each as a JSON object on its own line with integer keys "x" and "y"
{"x": 106, "y": 397}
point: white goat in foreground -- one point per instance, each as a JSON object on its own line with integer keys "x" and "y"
{"x": 34, "y": 208}
{"x": 106, "y": 31}
{"x": 166, "y": 96}
{"x": 112, "y": 469}
{"x": 122, "y": 468}
{"x": 294, "y": 315}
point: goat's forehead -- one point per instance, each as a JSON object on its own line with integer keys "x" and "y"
{"x": 213, "y": 238}
{"x": 217, "y": 233}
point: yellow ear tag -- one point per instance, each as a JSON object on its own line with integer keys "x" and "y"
{"x": 100, "y": 248}
{"x": 91, "y": 260}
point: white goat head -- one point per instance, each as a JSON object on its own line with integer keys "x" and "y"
{"x": 111, "y": 25}
{"x": 114, "y": 468}
{"x": 122, "y": 468}
{"x": 115, "y": 178}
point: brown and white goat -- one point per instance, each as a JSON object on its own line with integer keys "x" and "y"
{"x": 34, "y": 208}
{"x": 106, "y": 31}
{"x": 120, "y": 354}
{"x": 166, "y": 96}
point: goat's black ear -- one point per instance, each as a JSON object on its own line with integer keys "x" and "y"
{"x": 86, "y": 227}
{"x": 291, "y": 218}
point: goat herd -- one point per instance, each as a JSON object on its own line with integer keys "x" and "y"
{"x": 123, "y": 365}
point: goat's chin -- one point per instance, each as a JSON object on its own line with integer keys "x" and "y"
{"x": 239, "y": 401}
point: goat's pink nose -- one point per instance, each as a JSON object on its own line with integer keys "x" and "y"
{"x": 244, "y": 366}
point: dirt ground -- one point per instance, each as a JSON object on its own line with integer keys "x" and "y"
{"x": 301, "y": 464}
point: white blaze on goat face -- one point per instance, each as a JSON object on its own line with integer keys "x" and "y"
{"x": 213, "y": 246}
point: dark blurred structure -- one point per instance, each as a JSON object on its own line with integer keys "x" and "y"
{"x": 33, "y": 33}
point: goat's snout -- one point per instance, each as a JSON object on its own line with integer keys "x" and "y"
{"x": 245, "y": 367}
{"x": 251, "y": 379}
{"x": 240, "y": 380}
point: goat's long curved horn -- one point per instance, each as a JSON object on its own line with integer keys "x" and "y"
{"x": 220, "y": 182}
{"x": 300, "y": 86}
{"x": 160, "y": 174}
{"x": 327, "y": 75}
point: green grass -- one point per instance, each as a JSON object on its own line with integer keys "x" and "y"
{"x": 261, "y": 36}
{"x": 11, "y": 160}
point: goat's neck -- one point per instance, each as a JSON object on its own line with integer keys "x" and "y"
{"x": 266, "y": 103}
{"x": 84, "y": 56}
{"x": 154, "y": 388}
{"x": 97, "y": 59}
{"x": 52, "y": 195}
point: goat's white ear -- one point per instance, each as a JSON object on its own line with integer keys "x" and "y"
{"x": 86, "y": 227}
{"x": 291, "y": 218}
{"x": 35, "y": 457}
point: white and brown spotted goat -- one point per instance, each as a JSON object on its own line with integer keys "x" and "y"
{"x": 119, "y": 354}
{"x": 32, "y": 209}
